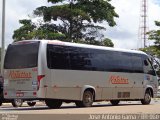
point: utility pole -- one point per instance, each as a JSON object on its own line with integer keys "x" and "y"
{"x": 143, "y": 28}
{"x": 3, "y": 36}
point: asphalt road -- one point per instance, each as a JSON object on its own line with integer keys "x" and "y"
{"x": 99, "y": 111}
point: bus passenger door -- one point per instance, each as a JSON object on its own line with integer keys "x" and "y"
{"x": 138, "y": 86}
{"x": 149, "y": 74}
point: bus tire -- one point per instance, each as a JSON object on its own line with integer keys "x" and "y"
{"x": 79, "y": 103}
{"x": 17, "y": 102}
{"x": 147, "y": 98}
{"x": 53, "y": 104}
{"x": 87, "y": 100}
{"x": 31, "y": 103}
{"x": 114, "y": 102}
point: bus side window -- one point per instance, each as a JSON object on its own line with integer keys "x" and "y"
{"x": 146, "y": 63}
{"x": 148, "y": 69}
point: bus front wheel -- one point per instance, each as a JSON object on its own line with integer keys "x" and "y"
{"x": 53, "y": 103}
{"x": 87, "y": 100}
{"x": 114, "y": 102}
{"x": 147, "y": 98}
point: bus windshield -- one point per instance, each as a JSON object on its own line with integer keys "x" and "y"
{"x": 22, "y": 55}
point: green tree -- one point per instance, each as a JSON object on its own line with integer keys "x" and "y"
{"x": 154, "y": 35}
{"x": 78, "y": 17}
{"x": 153, "y": 50}
{"x": 29, "y": 30}
{"x": 24, "y": 31}
{"x": 107, "y": 42}
{"x": 77, "y": 21}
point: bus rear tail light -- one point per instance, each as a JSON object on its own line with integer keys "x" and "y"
{"x": 5, "y": 93}
{"x": 39, "y": 78}
{"x": 34, "y": 93}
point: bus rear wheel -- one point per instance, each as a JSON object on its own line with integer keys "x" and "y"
{"x": 87, "y": 100}
{"x": 53, "y": 103}
{"x": 31, "y": 103}
{"x": 114, "y": 102}
{"x": 17, "y": 102}
{"x": 147, "y": 98}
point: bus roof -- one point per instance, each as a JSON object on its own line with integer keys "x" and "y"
{"x": 58, "y": 42}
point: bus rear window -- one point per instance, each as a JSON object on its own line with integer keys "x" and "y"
{"x": 20, "y": 56}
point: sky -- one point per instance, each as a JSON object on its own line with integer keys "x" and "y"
{"x": 123, "y": 35}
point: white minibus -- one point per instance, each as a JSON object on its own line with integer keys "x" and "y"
{"x": 57, "y": 72}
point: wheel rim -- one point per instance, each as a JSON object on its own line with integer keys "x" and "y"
{"x": 147, "y": 97}
{"x": 18, "y": 102}
{"x": 88, "y": 99}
